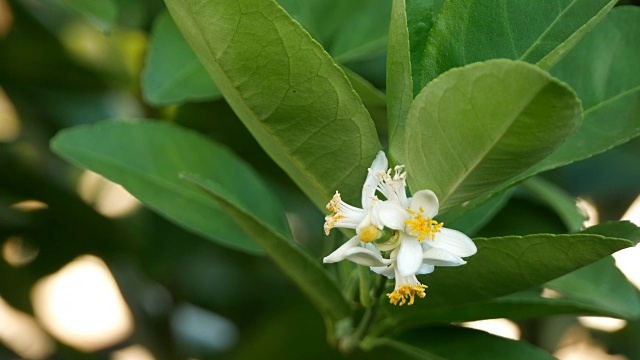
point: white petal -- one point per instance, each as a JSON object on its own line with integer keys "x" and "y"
{"x": 390, "y": 214}
{"x": 410, "y": 256}
{"x": 427, "y": 200}
{"x": 338, "y": 255}
{"x": 425, "y": 269}
{"x": 380, "y": 163}
{"x": 388, "y": 271}
{"x": 366, "y": 257}
{"x": 454, "y": 242}
{"x": 440, "y": 257}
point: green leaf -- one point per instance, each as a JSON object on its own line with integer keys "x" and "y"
{"x": 419, "y": 23}
{"x": 616, "y": 229}
{"x": 509, "y": 264}
{"x": 373, "y": 99}
{"x": 603, "y": 285}
{"x": 363, "y": 34}
{"x": 306, "y": 272}
{"x": 475, "y": 219}
{"x": 173, "y": 74}
{"x": 476, "y": 127}
{"x": 519, "y": 306}
{"x": 598, "y": 69}
{"x": 102, "y": 14}
{"x": 560, "y": 201}
{"x": 399, "y": 83}
{"x": 453, "y": 343}
{"x": 288, "y": 92}
{"x": 538, "y": 32}
{"x": 146, "y": 159}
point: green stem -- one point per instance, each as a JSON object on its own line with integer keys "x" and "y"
{"x": 353, "y": 341}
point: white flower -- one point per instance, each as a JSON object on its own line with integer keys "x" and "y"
{"x": 403, "y": 228}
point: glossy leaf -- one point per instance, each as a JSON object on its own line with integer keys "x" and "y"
{"x": 288, "y": 92}
{"x": 598, "y": 69}
{"x": 458, "y": 343}
{"x": 476, "y": 127}
{"x": 509, "y": 264}
{"x": 602, "y": 284}
{"x": 146, "y": 158}
{"x": 538, "y": 32}
{"x": 306, "y": 272}
{"x": 616, "y": 229}
{"x": 399, "y": 82}
{"x": 102, "y": 14}
{"x": 173, "y": 73}
{"x": 520, "y": 306}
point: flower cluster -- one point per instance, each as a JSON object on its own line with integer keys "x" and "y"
{"x": 396, "y": 236}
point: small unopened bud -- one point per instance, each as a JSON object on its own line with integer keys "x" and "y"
{"x": 369, "y": 233}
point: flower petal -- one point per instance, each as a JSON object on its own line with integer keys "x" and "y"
{"x": 409, "y": 257}
{"x": 390, "y": 214}
{"x": 440, "y": 257}
{"x": 388, "y": 271}
{"x": 454, "y": 242}
{"x": 425, "y": 269}
{"x": 380, "y": 163}
{"x": 427, "y": 200}
{"x": 366, "y": 257}
{"x": 339, "y": 253}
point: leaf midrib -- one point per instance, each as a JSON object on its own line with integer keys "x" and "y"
{"x": 310, "y": 178}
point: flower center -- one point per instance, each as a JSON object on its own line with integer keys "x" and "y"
{"x": 423, "y": 227}
{"x": 406, "y": 292}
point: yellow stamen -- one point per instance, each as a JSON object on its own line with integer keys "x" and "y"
{"x": 424, "y": 227}
{"x": 330, "y": 222}
{"x": 406, "y": 291}
{"x": 369, "y": 233}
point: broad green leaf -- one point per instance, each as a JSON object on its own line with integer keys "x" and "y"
{"x": 399, "y": 83}
{"x": 599, "y": 70}
{"x": 173, "y": 73}
{"x": 146, "y": 159}
{"x": 458, "y": 343}
{"x": 616, "y": 229}
{"x": 538, "y": 32}
{"x": 306, "y": 272}
{"x": 560, "y": 201}
{"x": 476, "y": 127}
{"x": 373, "y": 99}
{"x": 419, "y": 23}
{"x": 523, "y": 305}
{"x": 288, "y": 92}
{"x": 102, "y": 14}
{"x": 602, "y": 284}
{"x": 509, "y": 264}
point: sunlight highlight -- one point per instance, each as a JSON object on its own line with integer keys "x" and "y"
{"x": 602, "y": 323}
{"x": 81, "y": 305}
{"x": 107, "y": 197}
{"x": 577, "y": 344}
{"x": 9, "y": 120}
{"x": 22, "y": 334}
{"x": 588, "y": 208}
{"x": 17, "y": 252}
{"x": 499, "y": 327}
{"x": 133, "y": 352}
{"x": 627, "y": 259}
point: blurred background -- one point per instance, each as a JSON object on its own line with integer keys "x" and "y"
{"x": 87, "y": 272}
